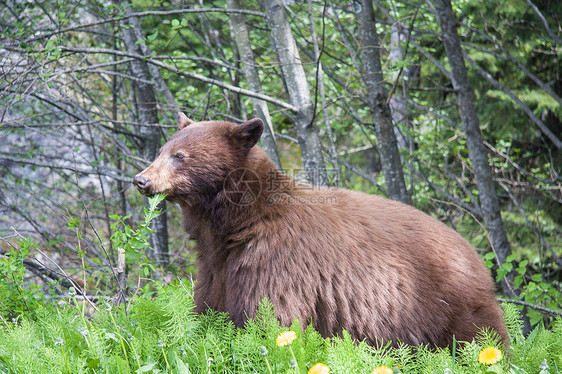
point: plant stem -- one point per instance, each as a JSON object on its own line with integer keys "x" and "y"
{"x": 166, "y": 359}
{"x": 83, "y": 320}
{"x": 294, "y": 358}
{"x": 137, "y": 358}
{"x": 65, "y": 359}
{"x": 454, "y": 353}
{"x": 268, "y": 366}
{"x": 122, "y": 339}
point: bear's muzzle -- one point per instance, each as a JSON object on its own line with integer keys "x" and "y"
{"x": 142, "y": 183}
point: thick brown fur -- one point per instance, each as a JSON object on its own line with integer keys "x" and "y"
{"x": 340, "y": 259}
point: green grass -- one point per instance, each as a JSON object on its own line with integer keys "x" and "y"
{"x": 160, "y": 333}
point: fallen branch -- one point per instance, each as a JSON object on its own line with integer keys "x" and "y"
{"x": 529, "y": 305}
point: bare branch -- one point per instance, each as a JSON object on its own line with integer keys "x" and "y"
{"x": 535, "y": 230}
{"x": 185, "y": 74}
{"x": 75, "y": 169}
{"x": 509, "y": 57}
{"x": 545, "y": 23}
{"x": 532, "y": 306}
{"x": 540, "y": 124}
{"x": 523, "y": 172}
{"x": 142, "y": 14}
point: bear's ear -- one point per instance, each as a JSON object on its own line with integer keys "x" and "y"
{"x": 183, "y": 121}
{"x": 248, "y": 133}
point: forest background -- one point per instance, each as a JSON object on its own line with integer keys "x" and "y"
{"x": 453, "y": 108}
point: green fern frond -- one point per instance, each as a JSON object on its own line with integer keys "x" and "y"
{"x": 537, "y": 347}
{"x": 344, "y": 355}
{"x": 180, "y": 319}
{"x": 161, "y": 333}
{"x": 513, "y": 322}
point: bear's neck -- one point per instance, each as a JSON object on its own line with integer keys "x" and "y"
{"x": 248, "y": 197}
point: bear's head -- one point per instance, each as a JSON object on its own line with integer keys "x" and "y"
{"x": 195, "y": 162}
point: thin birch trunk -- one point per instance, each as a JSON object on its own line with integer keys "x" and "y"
{"x": 250, "y": 71}
{"x": 299, "y": 94}
{"x": 159, "y": 81}
{"x": 322, "y": 93}
{"x": 398, "y": 101}
{"x": 377, "y": 95}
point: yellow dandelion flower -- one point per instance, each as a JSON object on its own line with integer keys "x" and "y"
{"x": 489, "y": 355}
{"x": 286, "y": 338}
{"x": 319, "y": 368}
{"x": 382, "y": 370}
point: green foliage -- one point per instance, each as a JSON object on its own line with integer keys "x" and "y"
{"x": 18, "y": 297}
{"x": 162, "y": 334}
{"x": 541, "y": 349}
{"x": 534, "y": 289}
{"x": 136, "y": 242}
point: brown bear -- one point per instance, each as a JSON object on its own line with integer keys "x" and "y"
{"x": 338, "y": 259}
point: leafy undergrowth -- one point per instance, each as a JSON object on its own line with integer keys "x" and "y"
{"x": 161, "y": 334}
{"x": 158, "y": 332}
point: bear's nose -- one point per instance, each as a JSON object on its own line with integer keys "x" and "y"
{"x": 141, "y": 182}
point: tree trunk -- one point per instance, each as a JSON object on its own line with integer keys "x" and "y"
{"x": 159, "y": 81}
{"x": 299, "y": 94}
{"x": 377, "y": 94}
{"x": 399, "y": 101}
{"x": 248, "y": 62}
{"x": 149, "y": 132}
{"x": 321, "y": 91}
{"x": 489, "y": 205}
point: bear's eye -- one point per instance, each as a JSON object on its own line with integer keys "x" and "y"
{"x": 179, "y": 156}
